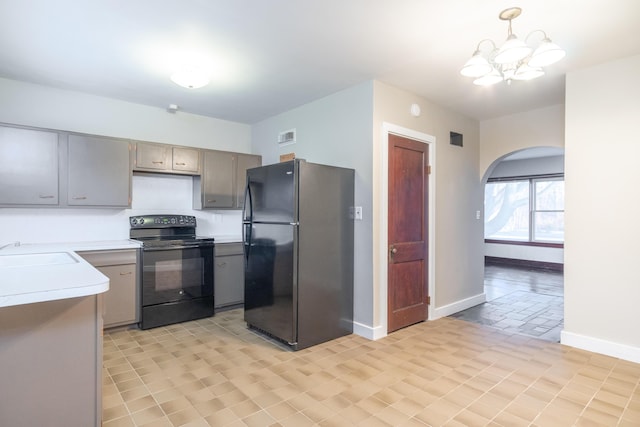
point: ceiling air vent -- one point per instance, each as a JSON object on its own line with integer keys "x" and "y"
{"x": 287, "y": 137}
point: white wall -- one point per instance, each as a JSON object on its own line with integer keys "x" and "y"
{"x": 335, "y": 130}
{"x": 152, "y": 194}
{"x": 458, "y": 250}
{"x": 41, "y": 106}
{"x": 602, "y": 279}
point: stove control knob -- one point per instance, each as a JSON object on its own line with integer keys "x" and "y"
{"x": 173, "y": 220}
{"x": 141, "y": 221}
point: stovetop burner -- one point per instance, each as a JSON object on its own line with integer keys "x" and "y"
{"x": 166, "y": 230}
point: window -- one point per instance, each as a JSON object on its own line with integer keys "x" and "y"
{"x": 525, "y": 209}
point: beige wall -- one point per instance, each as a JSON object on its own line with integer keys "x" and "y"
{"x": 458, "y": 249}
{"x": 345, "y": 129}
{"x": 602, "y": 280}
{"x": 543, "y": 127}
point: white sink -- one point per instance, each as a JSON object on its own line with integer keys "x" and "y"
{"x": 30, "y": 260}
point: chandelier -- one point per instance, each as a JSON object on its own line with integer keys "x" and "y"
{"x": 514, "y": 60}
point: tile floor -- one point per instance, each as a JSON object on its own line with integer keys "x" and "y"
{"x": 521, "y": 300}
{"x": 448, "y": 372}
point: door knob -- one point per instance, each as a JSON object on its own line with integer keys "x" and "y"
{"x": 393, "y": 250}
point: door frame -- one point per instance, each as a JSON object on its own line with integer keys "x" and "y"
{"x": 383, "y": 206}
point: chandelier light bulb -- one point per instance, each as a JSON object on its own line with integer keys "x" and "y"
{"x": 514, "y": 60}
{"x": 546, "y": 54}
{"x": 513, "y": 50}
{"x": 526, "y": 72}
{"x": 476, "y": 66}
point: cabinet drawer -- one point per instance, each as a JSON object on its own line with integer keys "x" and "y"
{"x": 114, "y": 257}
{"x": 224, "y": 249}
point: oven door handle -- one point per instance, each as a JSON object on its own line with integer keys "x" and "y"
{"x": 174, "y": 247}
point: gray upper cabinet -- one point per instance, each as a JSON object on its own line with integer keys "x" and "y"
{"x": 166, "y": 158}
{"x": 221, "y": 185}
{"x": 99, "y": 172}
{"x": 153, "y": 156}
{"x": 28, "y": 167}
{"x": 214, "y": 189}
{"x": 244, "y": 162}
{"x": 186, "y": 159}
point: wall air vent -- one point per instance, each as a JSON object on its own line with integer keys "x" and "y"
{"x": 287, "y": 137}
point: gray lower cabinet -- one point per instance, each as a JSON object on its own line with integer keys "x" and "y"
{"x": 99, "y": 172}
{"x": 51, "y": 363}
{"x": 28, "y": 167}
{"x": 228, "y": 275}
{"x": 121, "y": 300}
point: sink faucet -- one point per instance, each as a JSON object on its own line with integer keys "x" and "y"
{"x": 16, "y": 243}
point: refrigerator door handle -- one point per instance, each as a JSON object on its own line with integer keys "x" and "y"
{"x": 247, "y": 207}
{"x": 246, "y": 239}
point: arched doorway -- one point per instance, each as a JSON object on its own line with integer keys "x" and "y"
{"x": 524, "y": 225}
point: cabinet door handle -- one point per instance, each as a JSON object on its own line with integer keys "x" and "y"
{"x": 222, "y": 264}
{"x": 128, "y": 273}
{"x": 181, "y": 164}
{"x": 46, "y": 196}
{"x": 79, "y": 197}
{"x": 156, "y": 162}
{"x": 211, "y": 200}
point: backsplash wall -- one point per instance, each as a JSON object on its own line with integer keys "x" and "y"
{"x": 152, "y": 194}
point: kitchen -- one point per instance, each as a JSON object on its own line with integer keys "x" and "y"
{"x": 340, "y": 129}
{"x": 170, "y": 187}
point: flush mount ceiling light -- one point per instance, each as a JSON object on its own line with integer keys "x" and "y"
{"x": 191, "y": 77}
{"x": 514, "y": 60}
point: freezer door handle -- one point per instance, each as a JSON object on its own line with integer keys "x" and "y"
{"x": 247, "y": 206}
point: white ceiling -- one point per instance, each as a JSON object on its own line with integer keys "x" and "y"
{"x": 274, "y": 55}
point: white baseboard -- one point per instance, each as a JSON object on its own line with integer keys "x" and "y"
{"x": 597, "y": 345}
{"x": 368, "y": 332}
{"x": 375, "y": 333}
{"x": 457, "y": 306}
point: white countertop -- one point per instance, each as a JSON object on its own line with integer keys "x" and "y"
{"x": 32, "y": 273}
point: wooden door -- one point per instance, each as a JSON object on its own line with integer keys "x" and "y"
{"x": 407, "y": 253}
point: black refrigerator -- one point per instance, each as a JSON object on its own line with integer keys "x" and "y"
{"x": 298, "y": 249}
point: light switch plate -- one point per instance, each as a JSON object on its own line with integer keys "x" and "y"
{"x": 358, "y": 212}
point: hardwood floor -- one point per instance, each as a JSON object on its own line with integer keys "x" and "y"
{"x": 521, "y": 300}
